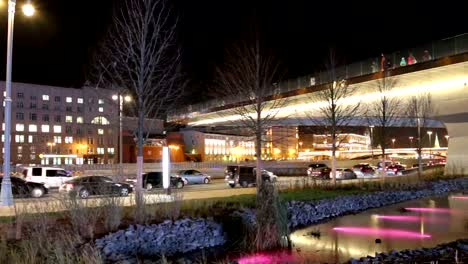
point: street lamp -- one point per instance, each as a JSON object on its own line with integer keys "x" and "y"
{"x": 429, "y": 133}
{"x": 411, "y": 141}
{"x": 6, "y": 195}
{"x": 300, "y": 145}
{"x": 393, "y": 143}
{"x": 121, "y": 100}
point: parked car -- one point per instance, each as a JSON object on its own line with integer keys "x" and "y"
{"x": 21, "y": 188}
{"x": 49, "y": 176}
{"x": 153, "y": 180}
{"x": 363, "y": 170}
{"x": 395, "y": 169}
{"x": 245, "y": 176}
{"x": 194, "y": 176}
{"x": 319, "y": 170}
{"x": 345, "y": 174}
{"x": 86, "y": 186}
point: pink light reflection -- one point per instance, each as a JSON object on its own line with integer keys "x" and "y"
{"x": 429, "y": 210}
{"x": 405, "y": 218}
{"x": 265, "y": 258}
{"x": 459, "y": 197}
{"x": 367, "y": 231}
{"x": 410, "y": 218}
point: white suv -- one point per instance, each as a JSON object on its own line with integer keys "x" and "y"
{"x": 49, "y": 176}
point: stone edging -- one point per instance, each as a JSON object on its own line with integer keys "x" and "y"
{"x": 167, "y": 238}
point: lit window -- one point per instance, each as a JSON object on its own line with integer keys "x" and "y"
{"x": 45, "y": 97}
{"x": 3, "y": 126}
{"x": 100, "y": 120}
{"x": 68, "y": 99}
{"x": 57, "y": 139}
{"x": 57, "y": 129}
{"x": 100, "y": 101}
{"x": 19, "y": 138}
{"x": 69, "y": 140}
{"x": 20, "y": 127}
{"x": 68, "y": 119}
{"x": 110, "y": 150}
{"x": 30, "y": 140}
{"x": 79, "y": 100}
{"x": 100, "y": 131}
{"x": 100, "y": 150}
{"x": 20, "y": 149}
{"x": 79, "y": 119}
{"x": 101, "y": 109}
{"x": 32, "y": 128}
{"x": 32, "y": 156}
{"x": 45, "y": 128}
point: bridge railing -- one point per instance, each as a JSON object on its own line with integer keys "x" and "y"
{"x": 436, "y": 49}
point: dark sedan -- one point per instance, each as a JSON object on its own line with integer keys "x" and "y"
{"x": 154, "y": 180}
{"x": 21, "y": 188}
{"x": 84, "y": 187}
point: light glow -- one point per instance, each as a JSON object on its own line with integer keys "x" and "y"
{"x": 28, "y": 10}
{"x": 165, "y": 167}
{"x": 366, "y": 231}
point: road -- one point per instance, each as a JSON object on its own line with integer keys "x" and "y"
{"x": 56, "y": 201}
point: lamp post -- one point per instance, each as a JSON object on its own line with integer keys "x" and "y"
{"x": 121, "y": 100}
{"x": 393, "y": 143}
{"x": 411, "y": 141}
{"x": 6, "y": 195}
{"x": 300, "y": 146}
{"x": 429, "y": 133}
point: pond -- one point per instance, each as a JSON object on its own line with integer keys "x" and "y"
{"x": 419, "y": 223}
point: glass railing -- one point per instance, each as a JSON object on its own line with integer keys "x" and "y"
{"x": 402, "y": 58}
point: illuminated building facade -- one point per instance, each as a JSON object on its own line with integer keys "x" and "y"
{"x": 218, "y": 147}
{"x": 62, "y": 126}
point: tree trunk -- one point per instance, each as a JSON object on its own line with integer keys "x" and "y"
{"x": 139, "y": 183}
{"x": 333, "y": 161}
{"x": 420, "y": 168}
{"x": 258, "y": 155}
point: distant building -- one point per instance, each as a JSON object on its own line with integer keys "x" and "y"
{"x": 344, "y": 142}
{"x": 200, "y": 146}
{"x": 57, "y": 125}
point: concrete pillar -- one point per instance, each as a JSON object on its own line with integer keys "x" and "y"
{"x": 457, "y": 154}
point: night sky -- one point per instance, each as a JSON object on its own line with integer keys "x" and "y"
{"x": 54, "y": 47}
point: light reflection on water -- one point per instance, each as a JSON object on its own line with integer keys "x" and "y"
{"x": 439, "y": 220}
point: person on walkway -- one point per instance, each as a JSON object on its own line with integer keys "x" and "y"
{"x": 403, "y": 61}
{"x": 382, "y": 62}
{"x": 427, "y": 56}
{"x": 374, "y": 67}
{"x": 411, "y": 59}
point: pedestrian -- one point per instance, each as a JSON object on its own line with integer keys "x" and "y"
{"x": 382, "y": 62}
{"x": 411, "y": 59}
{"x": 427, "y": 56}
{"x": 374, "y": 67}
{"x": 403, "y": 61}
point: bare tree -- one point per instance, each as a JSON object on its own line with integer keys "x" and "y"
{"x": 139, "y": 55}
{"x": 420, "y": 109}
{"x": 248, "y": 76}
{"x": 333, "y": 112}
{"x": 384, "y": 112}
